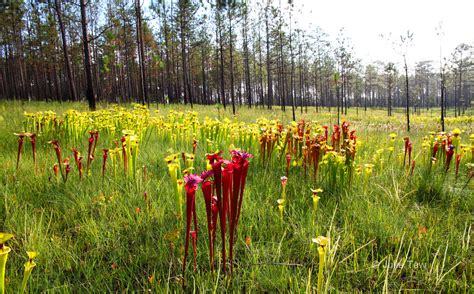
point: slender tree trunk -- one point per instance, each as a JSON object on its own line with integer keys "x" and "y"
{"x": 221, "y": 52}
{"x": 367, "y": 93}
{"x": 260, "y": 66}
{"x": 338, "y": 95}
{"x": 87, "y": 58}
{"x": 320, "y": 74}
{"x": 460, "y": 94}
{"x": 141, "y": 54}
{"x": 189, "y": 77}
{"x": 269, "y": 68}
{"x": 389, "y": 102}
{"x": 292, "y": 75}
{"x": 443, "y": 91}
{"x": 231, "y": 49}
{"x": 248, "y": 86}
{"x": 455, "y": 90}
{"x": 407, "y": 94}
{"x": 169, "y": 86}
{"x": 23, "y": 87}
{"x": 345, "y": 92}
{"x": 182, "y": 25}
{"x": 301, "y": 91}
{"x": 205, "y": 99}
{"x": 67, "y": 63}
{"x": 218, "y": 90}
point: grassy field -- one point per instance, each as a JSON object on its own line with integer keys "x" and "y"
{"x": 391, "y": 228}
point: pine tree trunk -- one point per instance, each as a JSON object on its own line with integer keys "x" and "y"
{"x": 231, "y": 48}
{"x": 90, "y": 95}
{"x": 248, "y": 87}
{"x": 67, "y": 62}
{"x": 221, "y": 51}
{"x": 408, "y": 94}
{"x": 269, "y": 68}
{"x": 141, "y": 54}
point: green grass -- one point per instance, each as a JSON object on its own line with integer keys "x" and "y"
{"x": 90, "y": 237}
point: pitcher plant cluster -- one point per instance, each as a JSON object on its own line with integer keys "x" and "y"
{"x": 222, "y": 186}
{"x": 332, "y": 159}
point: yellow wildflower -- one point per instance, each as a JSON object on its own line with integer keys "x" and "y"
{"x": 456, "y": 132}
{"x": 321, "y": 241}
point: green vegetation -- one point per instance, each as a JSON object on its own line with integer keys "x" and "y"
{"x": 390, "y": 226}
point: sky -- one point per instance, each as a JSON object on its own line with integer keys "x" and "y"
{"x": 364, "y": 20}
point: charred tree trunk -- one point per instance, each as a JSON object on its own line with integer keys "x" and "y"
{"x": 87, "y": 58}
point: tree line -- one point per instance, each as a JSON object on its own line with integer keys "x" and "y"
{"x": 231, "y": 53}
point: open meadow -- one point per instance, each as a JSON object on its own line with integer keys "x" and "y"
{"x": 115, "y": 200}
